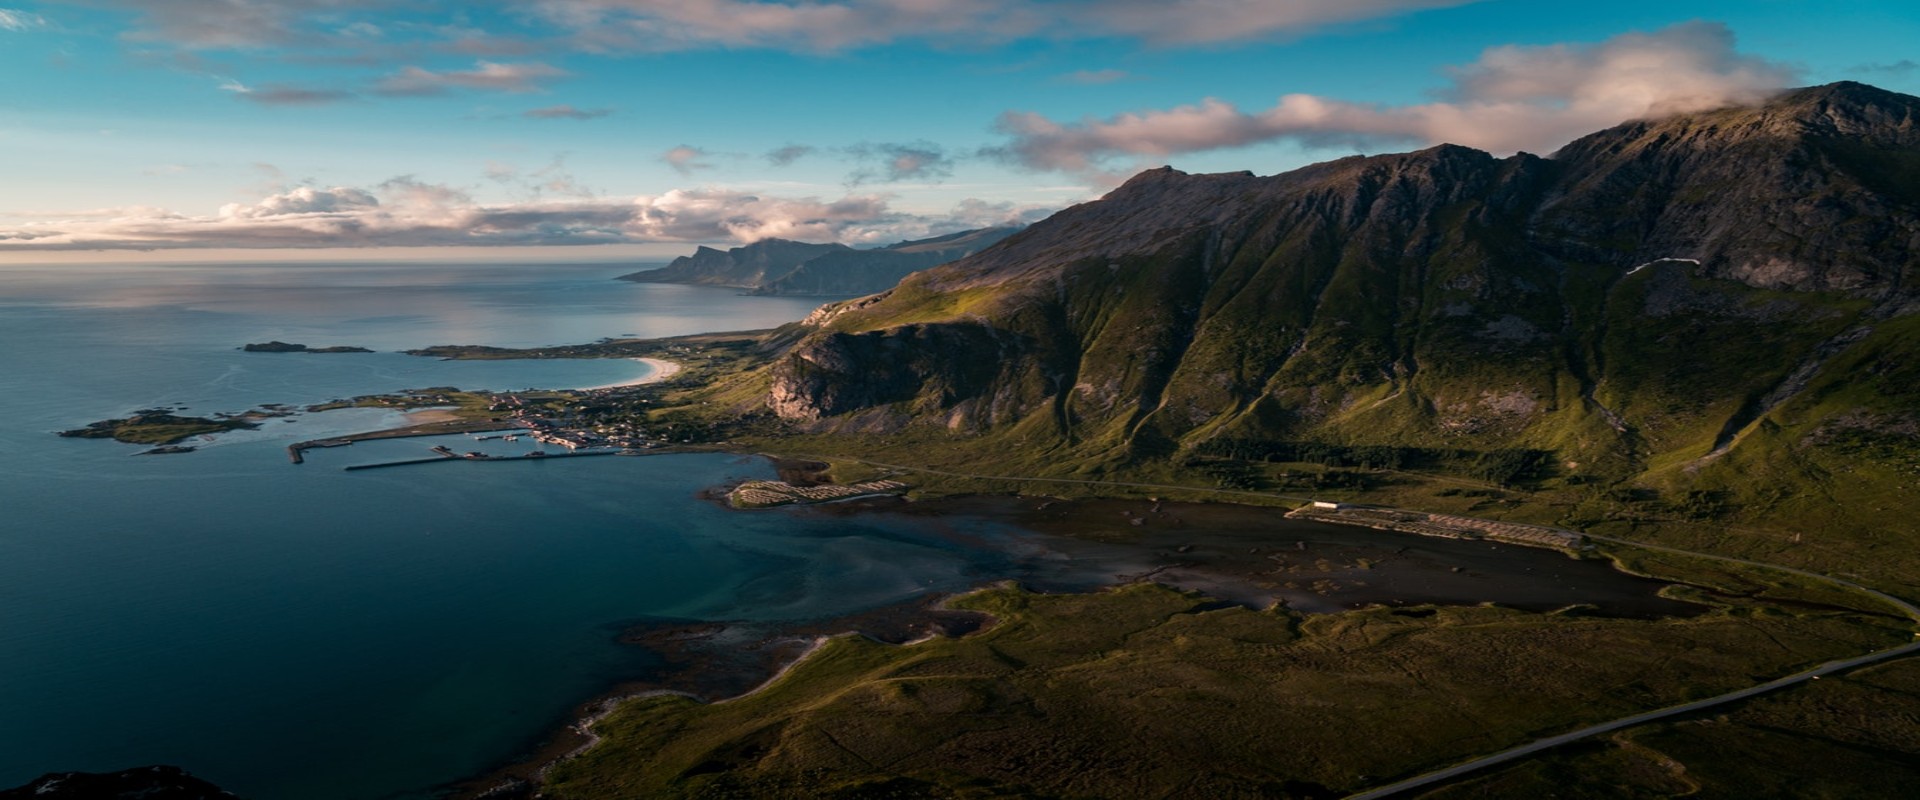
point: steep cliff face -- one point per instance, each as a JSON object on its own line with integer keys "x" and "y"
{"x": 1815, "y": 191}
{"x": 1652, "y": 289}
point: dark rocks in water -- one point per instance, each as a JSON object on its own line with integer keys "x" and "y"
{"x": 168, "y": 450}
{"x": 284, "y": 347}
{"x": 139, "y": 783}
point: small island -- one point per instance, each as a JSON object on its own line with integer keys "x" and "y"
{"x": 159, "y": 426}
{"x": 285, "y": 347}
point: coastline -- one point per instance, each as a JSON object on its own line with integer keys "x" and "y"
{"x": 1194, "y": 546}
{"x": 662, "y": 370}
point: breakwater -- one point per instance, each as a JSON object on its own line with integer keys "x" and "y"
{"x": 534, "y": 456}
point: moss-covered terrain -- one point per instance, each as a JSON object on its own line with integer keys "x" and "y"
{"x": 1148, "y": 692}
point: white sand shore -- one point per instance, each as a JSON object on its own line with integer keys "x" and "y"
{"x": 662, "y": 370}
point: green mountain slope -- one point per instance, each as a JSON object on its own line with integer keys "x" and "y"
{"x": 1715, "y": 309}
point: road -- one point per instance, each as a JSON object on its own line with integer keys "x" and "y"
{"x": 1522, "y": 751}
{"x": 1440, "y": 776}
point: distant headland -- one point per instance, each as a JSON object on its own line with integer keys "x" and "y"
{"x": 284, "y": 347}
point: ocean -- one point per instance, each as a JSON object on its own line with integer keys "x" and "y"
{"x": 304, "y": 632}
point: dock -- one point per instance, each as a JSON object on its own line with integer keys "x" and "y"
{"x": 296, "y": 451}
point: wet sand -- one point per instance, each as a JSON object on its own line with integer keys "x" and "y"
{"x": 1238, "y": 554}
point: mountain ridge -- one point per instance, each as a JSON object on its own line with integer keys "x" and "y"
{"x": 785, "y": 267}
{"x": 1663, "y": 302}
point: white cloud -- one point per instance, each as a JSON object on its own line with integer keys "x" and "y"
{"x": 485, "y": 75}
{"x": 16, "y": 20}
{"x": 303, "y": 200}
{"x": 405, "y": 212}
{"x": 1512, "y": 98}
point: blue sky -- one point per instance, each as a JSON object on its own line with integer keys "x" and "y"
{"x": 572, "y": 129}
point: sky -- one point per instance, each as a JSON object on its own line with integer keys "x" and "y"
{"x": 572, "y": 130}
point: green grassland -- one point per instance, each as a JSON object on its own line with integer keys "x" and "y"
{"x": 159, "y": 428}
{"x": 1144, "y": 691}
{"x": 1856, "y": 735}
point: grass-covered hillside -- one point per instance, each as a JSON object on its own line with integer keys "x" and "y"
{"x": 1708, "y": 318}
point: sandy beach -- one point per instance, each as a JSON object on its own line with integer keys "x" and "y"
{"x": 662, "y": 370}
{"x": 429, "y": 416}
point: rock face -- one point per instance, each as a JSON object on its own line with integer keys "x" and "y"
{"x": 781, "y": 267}
{"x": 140, "y": 783}
{"x": 1656, "y": 287}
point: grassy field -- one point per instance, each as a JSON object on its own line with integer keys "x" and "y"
{"x": 1852, "y": 736}
{"x": 1144, "y": 691}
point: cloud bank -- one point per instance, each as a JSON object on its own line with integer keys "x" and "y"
{"x": 793, "y": 25}
{"x": 821, "y": 26}
{"x": 485, "y": 75}
{"x": 1513, "y": 98}
{"x": 404, "y": 212}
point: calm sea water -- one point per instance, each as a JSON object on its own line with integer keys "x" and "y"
{"x": 295, "y": 632}
{"x": 304, "y": 632}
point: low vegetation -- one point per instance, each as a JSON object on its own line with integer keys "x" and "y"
{"x": 1146, "y": 691}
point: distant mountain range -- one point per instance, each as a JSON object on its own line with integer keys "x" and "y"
{"x": 783, "y": 267}
{"x": 1722, "y": 302}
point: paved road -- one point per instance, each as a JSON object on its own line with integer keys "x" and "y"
{"x": 1525, "y": 750}
{"x": 1522, "y": 751}
{"x": 1829, "y": 668}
